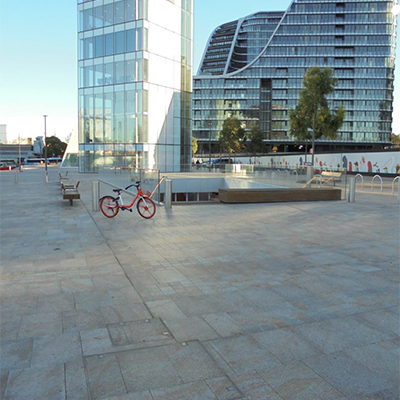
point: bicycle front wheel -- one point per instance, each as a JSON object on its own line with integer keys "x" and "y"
{"x": 146, "y": 207}
{"x": 109, "y": 206}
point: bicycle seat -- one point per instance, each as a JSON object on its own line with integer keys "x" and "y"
{"x": 116, "y": 190}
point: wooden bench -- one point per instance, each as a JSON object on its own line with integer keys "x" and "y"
{"x": 70, "y": 192}
{"x": 276, "y": 195}
{"x": 329, "y": 176}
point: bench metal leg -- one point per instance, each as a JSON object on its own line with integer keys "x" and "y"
{"x": 71, "y": 202}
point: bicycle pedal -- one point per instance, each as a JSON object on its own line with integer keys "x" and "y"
{"x": 130, "y": 209}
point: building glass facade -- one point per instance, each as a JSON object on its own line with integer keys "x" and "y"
{"x": 253, "y": 68}
{"x": 135, "y": 84}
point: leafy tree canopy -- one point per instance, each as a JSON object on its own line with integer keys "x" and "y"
{"x": 312, "y": 112}
{"x": 395, "y": 139}
{"x": 256, "y": 144}
{"x": 195, "y": 146}
{"x": 232, "y": 136}
{"x": 55, "y": 147}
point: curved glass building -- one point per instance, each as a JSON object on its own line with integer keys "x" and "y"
{"x": 253, "y": 68}
{"x": 135, "y": 84}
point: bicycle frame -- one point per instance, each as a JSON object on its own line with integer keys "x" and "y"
{"x": 139, "y": 195}
{"x": 110, "y": 205}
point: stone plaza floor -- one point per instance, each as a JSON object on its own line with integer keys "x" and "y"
{"x": 282, "y": 301}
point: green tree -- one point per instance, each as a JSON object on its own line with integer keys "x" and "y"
{"x": 195, "y": 146}
{"x": 256, "y": 144}
{"x": 55, "y": 147}
{"x": 232, "y": 136}
{"x": 312, "y": 117}
{"x": 395, "y": 139}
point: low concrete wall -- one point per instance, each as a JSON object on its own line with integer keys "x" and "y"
{"x": 278, "y": 195}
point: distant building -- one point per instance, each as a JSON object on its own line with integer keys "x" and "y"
{"x": 3, "y": 134}
{"x": 135, "y": 84}
{"x": 252, "y": 69}
{"x": 12, "y": 152}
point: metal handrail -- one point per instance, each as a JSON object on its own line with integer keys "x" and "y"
{"x": 372, "y": 183}
{"x": 362, "y": 180}
{"x": 394, "y": 180}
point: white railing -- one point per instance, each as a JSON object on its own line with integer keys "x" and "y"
{"x": 372, "y": 183}
{"x": 362, "y": 180}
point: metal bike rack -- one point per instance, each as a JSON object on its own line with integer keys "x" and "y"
{"x": 362, "y": 180}
{"x": 372, "y": 183}
{"x": 394, "y": 180}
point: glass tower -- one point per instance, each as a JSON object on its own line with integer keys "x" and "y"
{"x": 253, "y": 68}
{"x": 135, "y": 84}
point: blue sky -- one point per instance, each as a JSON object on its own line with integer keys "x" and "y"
{"x": 38, "y": 59}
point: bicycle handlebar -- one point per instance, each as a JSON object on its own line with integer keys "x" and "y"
{"x": 137, "y": 185}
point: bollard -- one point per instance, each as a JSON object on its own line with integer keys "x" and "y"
{"x": 16, "y": 176}
{"x": 352, "y": 190}
{"x": 168, "y": 193}
{"x": 398, "y": 195}
{"x": 95, "y": 195}
{"x": 310, "y": 173}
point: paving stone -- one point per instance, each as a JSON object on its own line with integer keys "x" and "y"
{"x": 3, "y": 382}
{"x": 16, "y": 354}
{"x": 230, "y": 302}
{"x": 104, "y": 376}
{"x": 189, "y": 391}
{"x": 56, "y": 303}
{"x": 192, "y": 362}
{"x": 193, "y": 328}
{"x": 151, "y": 331}
{"x": 295, "y": 381}
{"x": 347, "y": 375}
{"x": 36, "y": 384}
{"x": 75, "y": 381}
{"x": 96, "y": 341}
{"x": 165, "y": 309}
{"x": 77, "y": 285}
{"x": 196, "y": 306}
{"x": 124, "y": 313}
{"x": 223, "y": 324}
{"x": 244, "y": 353}
{"x": 81, "y": 320}
{"x": 36, "y": 325}
{"x": 132, "y": 396}
{"x": 147, "y": 369}
{"x": 385, "y": 319}
{"x": 224, "y": 389}
{"x": 285, "y": 345}
{"x": 379, "y": 360}
{"x": 168, "y": 276}
{"x": 340, "y": 333}
{"x": 254, "y": 387}
{"x": 56, "y": 349}
{"x": 9, "y": 330}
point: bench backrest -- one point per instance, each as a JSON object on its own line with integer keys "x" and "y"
{"x": 331, "y": 174}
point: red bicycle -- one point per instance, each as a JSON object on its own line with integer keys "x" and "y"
{"x": 110, "y": 206}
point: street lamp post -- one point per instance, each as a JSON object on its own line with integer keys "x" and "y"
{"x": 19, "y": 152}
{"x": 209, "y": 146}
{"x": 45, "y": 150}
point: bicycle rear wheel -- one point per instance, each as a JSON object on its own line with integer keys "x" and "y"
{"x": 146, "y": 207}
{"x": 109, "y": 206}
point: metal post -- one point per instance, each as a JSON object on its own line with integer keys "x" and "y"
{"x": 168, "y": 193}
{"x": 95, "y": 195}
{"x": 209, "y": 148}
{"x": 16, "y": 176}
{"x": 19, "y": 152}
{"x": 45, "y": 150}
{"x": 398, "y": 195}
{"x": 352, "y": 190}
{"x": 310, "y": 173}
